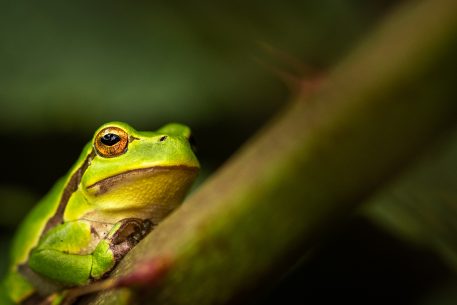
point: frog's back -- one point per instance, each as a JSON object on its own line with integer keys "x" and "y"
{"x": 27, "y": 237}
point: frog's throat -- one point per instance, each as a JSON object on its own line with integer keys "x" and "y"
{"x": 104, "y": 185}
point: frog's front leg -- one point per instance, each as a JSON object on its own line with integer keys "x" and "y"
{"x": 127, "y": 233}
{"x": 124, "y": 235}
{"x": 66, "y": 253}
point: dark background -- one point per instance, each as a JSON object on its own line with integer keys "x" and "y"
{"x": 68, "y": 67}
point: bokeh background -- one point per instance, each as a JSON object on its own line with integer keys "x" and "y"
{"x": 224, "y": 69}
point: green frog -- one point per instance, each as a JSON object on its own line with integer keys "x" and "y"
{"x": 124, "y": 182}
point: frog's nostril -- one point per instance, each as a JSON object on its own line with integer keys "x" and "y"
{"x": 163, "y": 138}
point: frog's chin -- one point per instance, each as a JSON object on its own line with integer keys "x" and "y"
{"x": 149, "y": 193}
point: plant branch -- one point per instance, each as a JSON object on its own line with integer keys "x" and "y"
{"x": 312, "y": 165}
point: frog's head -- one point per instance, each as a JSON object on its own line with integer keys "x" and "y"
{"x": 132, "y": 172}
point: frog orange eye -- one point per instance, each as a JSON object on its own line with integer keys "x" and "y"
{"x": 111, "y": 142}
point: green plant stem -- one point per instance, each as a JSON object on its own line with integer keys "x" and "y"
{"x": 313, "y": 164}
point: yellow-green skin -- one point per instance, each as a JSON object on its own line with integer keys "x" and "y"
{"x": 152, "y": 177}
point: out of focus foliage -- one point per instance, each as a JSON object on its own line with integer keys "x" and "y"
{"x": 71, "y": 66}
{"x": 66, "y": 68}
{"x": 421, "y": 206}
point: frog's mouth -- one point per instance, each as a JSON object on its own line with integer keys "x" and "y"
{"x": 155, "y": 179}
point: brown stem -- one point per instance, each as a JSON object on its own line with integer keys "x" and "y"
{"x": 312, "y": 165}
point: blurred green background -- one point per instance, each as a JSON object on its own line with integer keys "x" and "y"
{"x": 68, "y": 67}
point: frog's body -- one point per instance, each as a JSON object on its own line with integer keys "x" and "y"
{"x": 124, "y": 182}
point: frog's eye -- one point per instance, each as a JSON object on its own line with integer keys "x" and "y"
{"x": 111, "y": 142}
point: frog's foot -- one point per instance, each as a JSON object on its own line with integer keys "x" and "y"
{"x": 146, "y": 275}
{"x": 129, "y": 233}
